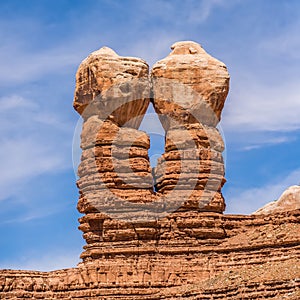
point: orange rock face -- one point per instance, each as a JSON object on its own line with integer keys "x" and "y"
{"x": 112, "y": 87}
{"x": 184, "y": 256}
{"x": 189, "y": 91}
{"x": 189, "y": 86}
{"x": 288, "y": 201}
{"x": 161, "y": 234}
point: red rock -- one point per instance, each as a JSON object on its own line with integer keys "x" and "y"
{"x": 175, "y": 243}
{"x": 189, "y": 90}
{"x": 288, "y": 201}
{"x": 189, "y": 86}
{"x": 112, "y": 87}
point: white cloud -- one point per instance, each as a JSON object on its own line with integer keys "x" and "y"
{"x": 15, "y": 102}
{"x": 254, "y": 107}
{"x": 54, "y": 260}
{"x": 32, "y": 214}
{"x": 286, "y": 44}
{"x": 33, "y": 142}
{"x": 180, "y": 12}
{"x": 247, "y": 201}
{"x": 265, "y": 141}
{"x": 23, "y": 159}
{"x": 201, "y": 10}
{"x": 23, "y": 57}
{"x": 50, "y": 119}
{"x": 265, "y": 96}
{"x": 28, "y": 65}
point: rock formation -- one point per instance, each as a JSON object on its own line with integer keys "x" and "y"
{"x": 112, "y": 87}
{"x": 257, "y": 259}
{"x": 112, "y": 95}
{"x": 161, "y": 234}
{"x": 189, "y": 91}
{"x": 288, "y": 201}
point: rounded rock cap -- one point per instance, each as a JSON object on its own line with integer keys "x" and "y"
{"x": 112, "y": 87}
{"x": 186, "y": 47}
{"x": 189, "y": 84}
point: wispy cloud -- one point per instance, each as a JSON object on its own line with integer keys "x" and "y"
{"x": 19, "y": 66}
{"x": 24, "y": 58}
{"x": 54, "y": 260}
{"x": 201, "y": 10}
{"x": 254, "y": 107}
{"x": 260, "y": 142}
{"x": 249, "y": 200}
{"x": 23, "y": 159}
{"x": 285, "y": 44}
{"x": 32, "y": 143}
{"x": 31, "y": 214}
{"x": 13, "y": 102}
{"x": 181, "y": 12}
{"x": 155, "y": 45}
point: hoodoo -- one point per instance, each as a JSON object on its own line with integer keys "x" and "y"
{"x": 189, "y": 91}
{"x": 162, "y": 234}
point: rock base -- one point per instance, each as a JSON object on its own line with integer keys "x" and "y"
{"x": 215, "y": 257}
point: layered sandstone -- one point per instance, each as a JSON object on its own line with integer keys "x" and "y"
{"x": 161, "y": 234}
{"x": 256, "y": 258}
{"x": 116, "y": 185}
{"x": 189, "y": 91}
{"x": 112, "y": 95}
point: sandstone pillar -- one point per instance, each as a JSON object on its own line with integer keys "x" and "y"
{"x": 189, "y": 91}
{"x": 112, "y": 96}
{"x": 124, "y": 205}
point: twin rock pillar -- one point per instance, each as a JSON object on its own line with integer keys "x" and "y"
{"x": 188, "y": 89}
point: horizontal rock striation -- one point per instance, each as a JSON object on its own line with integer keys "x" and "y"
{"x": 256, "y": 257}
{"x": 161, "y": 234}
{"x": 116, "y": 183}
{"x": 189, "y": 91}
{"x": 112, "y": 95}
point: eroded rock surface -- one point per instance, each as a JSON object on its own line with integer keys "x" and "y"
{"x": 112, "y": 87}
{"x": 256, "y": 257}
{"x": 190, "y": 86}
{"x": 135, "y": 251}
{"x": 288, "y": 201}
{"x": 189, "y": 91}
{"x": 112, "y": 94}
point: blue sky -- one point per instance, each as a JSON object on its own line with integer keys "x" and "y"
{"x": 42, "y": 43}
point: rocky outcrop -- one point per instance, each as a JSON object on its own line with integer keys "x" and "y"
{"x": 288, "y": 201}
{"x": 257, "y": 258}
{"x": 171, "y": 242}
{"x": 116, "y": 183}
{"x": 112, "y": 95}
{"x": 189, "y": 86}
{"x": 189, "y": 91}
{"x": 112, "y": 87}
